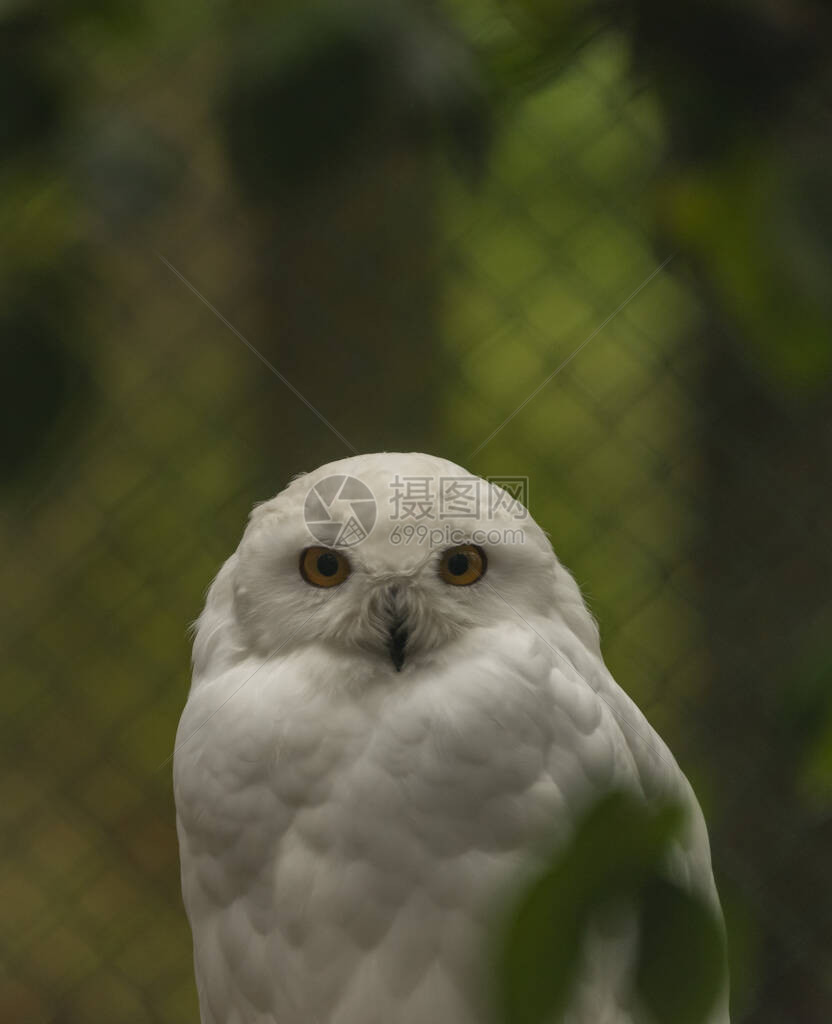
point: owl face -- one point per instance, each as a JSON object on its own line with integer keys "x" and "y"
{"x": 446, "y": 553}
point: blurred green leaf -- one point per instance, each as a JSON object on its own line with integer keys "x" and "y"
{"x": 618, "y": 852}
{"x": 681, "y": 957}
{"x": 542, "y": 953}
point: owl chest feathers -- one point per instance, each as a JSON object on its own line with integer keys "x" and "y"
{"x": 398, "y": 774}
{"x": 323, "y": 823}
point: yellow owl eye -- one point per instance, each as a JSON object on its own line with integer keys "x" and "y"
{"x": 463, "y": 565}
{"x": 323, "y": 567}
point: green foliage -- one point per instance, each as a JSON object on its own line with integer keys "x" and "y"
{"x": 752, "y": 213}
{"x": 617, "y": 856}
{"x": 758, "y": 226}
{"x": 681, "y": 964}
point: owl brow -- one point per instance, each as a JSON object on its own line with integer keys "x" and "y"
{"x": 274, "y": 653}
{"x": 566, "y": 661}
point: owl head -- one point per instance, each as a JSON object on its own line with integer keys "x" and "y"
{"x": 394, "y": 555}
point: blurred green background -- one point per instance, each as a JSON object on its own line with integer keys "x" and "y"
{"x": 416, "y": 212}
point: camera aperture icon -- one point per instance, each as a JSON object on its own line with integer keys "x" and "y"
{"x": 340, "y": 510}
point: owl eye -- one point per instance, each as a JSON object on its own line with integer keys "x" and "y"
{"x": 323, "y": 567}
{"x": 463, "y": 565}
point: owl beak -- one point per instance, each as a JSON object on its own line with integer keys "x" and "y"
{"x": 394, "y": 608}
{"x": 397, "y": 644}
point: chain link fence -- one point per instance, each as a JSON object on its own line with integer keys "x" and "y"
{"x": 415, "y": 311}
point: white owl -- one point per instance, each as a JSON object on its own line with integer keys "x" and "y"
{"x": 383, "y": 735}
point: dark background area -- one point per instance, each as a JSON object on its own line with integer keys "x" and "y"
{"x": 416, "y": 213}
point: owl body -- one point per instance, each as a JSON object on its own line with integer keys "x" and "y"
{"x": 350, "y": 830}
